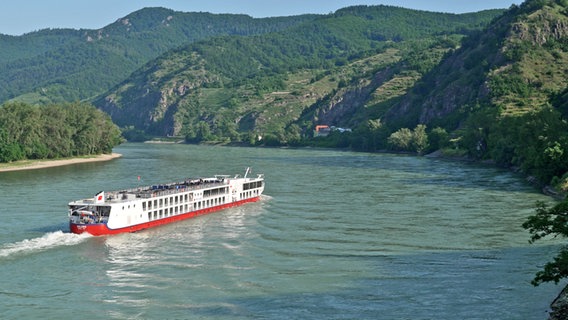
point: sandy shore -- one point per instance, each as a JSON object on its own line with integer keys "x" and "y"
{"x": 40, "y": 164}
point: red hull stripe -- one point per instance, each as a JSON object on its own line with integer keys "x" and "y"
{"x": 99, "y": 229}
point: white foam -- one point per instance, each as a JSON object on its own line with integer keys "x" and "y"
{"x": 47, "y": 241}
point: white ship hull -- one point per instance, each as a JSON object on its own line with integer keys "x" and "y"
{"x": 141, "y": 208}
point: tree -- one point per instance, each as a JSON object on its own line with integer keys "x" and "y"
{"x": 438, "y": 139}
{"x": 203, "y": 131}
{"x": 401, "y": 139}
{"x": 54, "y": 131}
{"x": 420, "y": 139}
{"x": 546, "y": 222}
{"x": 9, "y": 150}
{"x": 410, "y": 140}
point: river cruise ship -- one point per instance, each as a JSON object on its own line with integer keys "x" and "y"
{"x": 145, "y": 207}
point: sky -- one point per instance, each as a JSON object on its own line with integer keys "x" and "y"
{"x": 23, "y": 16}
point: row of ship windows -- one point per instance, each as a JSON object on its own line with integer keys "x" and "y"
{"x": 164, "y": 202}
{"x": 172, "y": 211}
{"x": 175, "y": 200}
{"x": 185, "y": 198}
{"x": 249, "y": 194}
{"x": 252, "y": 185}
{"x": 168, "y": 212}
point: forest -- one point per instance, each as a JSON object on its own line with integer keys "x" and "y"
{"x": 54, "y": 131}
{"x": 62, "y": 65}
{"x": 266, "y": 85}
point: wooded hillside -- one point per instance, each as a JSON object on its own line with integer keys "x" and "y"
{"x": 54, "y": 131}
{"x": 235, "y": 89}
{"x": 489, "y": 85}
{"x": 56, "y": 65}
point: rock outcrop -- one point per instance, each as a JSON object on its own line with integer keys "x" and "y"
{"x": 559, "y": 307}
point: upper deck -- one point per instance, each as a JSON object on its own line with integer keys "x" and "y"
{"x": 158, "y": 190}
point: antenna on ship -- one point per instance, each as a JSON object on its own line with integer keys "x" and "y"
{"x": 248, "y": 169}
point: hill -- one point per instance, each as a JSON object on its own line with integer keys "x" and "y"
{"x": 514, "y": 65}
{"x": 56, "y": 65}
{"x": 489, "y": 85}
{"x": 502, "y": 94}
{"x": 239, "y": 88}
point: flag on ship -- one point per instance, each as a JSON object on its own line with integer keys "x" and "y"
{"x": 100, "y": 197}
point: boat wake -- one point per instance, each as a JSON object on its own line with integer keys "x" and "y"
{"x": 47, "y": 241}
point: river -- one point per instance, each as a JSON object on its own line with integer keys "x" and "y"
{"x": 337, "y": 235}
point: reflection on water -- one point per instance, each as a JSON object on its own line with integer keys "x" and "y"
{"x": 141, "y": 263}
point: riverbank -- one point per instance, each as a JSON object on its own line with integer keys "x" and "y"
{"x": 41, "y": 164}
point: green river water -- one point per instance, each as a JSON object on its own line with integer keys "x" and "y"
{"x": 337, "y": 235}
